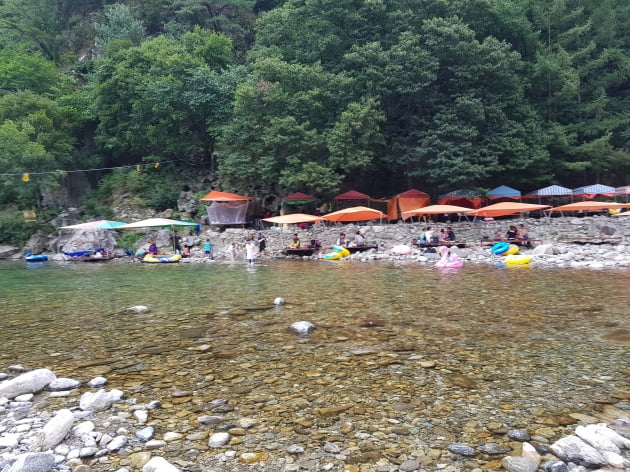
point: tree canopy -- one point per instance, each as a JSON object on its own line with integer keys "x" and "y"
{"x": 314, "y": 95}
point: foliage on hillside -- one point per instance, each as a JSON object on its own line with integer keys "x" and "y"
{"x": 305, "y": 95}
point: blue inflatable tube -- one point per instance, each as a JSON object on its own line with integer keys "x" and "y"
{"x": 500, "y": 248}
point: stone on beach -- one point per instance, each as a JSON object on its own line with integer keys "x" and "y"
{"x": 57, "y": 429}
{"x": 29, "y": 382}
{"x": 159, "y": 464}
{"x": 33, "y": 462}
{"x": 302, "y": 328}
{"x": 573, "y": 449}
{"x": 100, "y": 400}
{"x": 138, "y": 309}
{"x": 61, "y": 384}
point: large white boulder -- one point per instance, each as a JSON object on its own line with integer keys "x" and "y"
{"x": 29, "y": 382}
{"x": 100, "y": 400}
{"x": 159, "y": 464}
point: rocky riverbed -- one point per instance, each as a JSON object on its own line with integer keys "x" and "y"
{"x": 58, "y": 424}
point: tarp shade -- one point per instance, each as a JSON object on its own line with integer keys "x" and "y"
{"x": 227, "y": 213}
{"x": 216, "y": 196}
{"x": 358, "y": 213}
{"x": 506, "y": 208}
{"x": 435, "y": 210}
{"x": 293, "y": 218}
{"x": 590, "y": 205}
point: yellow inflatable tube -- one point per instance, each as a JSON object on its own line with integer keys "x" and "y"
{"x": 513, "y": 249}
{"x": 338, "y": 253}
{"x": 514, "y": 259}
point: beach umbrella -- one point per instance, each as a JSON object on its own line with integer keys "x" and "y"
{"x": 293, "y": 218}
{"x": 435, "y": 210}
{"x": 358, "y": 213}
{"x": 506, "y": 208}
{"x": 99, "y": 224}
{"x": 589, "y": 206}
{"x": 156, "y": 222}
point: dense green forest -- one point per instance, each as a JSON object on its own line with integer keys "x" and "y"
{"x": 276, "y": 96}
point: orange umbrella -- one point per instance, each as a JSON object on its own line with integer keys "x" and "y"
{"x": 506, "y": 208}
{"x": 589, "y": 205}
{"x": 435, "y": 210}
{"x": 293, "y": 218}
{"x": 358, "y": 213}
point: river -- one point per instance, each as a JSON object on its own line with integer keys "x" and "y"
{"x": 450, "y": 356}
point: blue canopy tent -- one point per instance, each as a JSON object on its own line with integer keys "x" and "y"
{"x": 504, "y": 193}
{"x": 589, "y": 192}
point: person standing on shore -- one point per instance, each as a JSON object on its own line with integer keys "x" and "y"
{"x": 176, "y": 241}
{"x": 207, "y": 248}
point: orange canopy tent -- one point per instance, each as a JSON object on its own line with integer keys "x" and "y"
{"x": 506, "y": 208}
{"x": 406, "y": 201}
{"x": 226, "y": 208}
{"x": 293, "y": 218}
{"x": 590, "y": 205}
{"x": 358, "y": 213}
{"x": 216, "y": 196}
{"x": 435, "y": 210}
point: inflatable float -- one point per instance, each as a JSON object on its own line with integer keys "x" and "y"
{"x": 513, "y": 249}
{"x": 516, "y": 259}
{"x": 401, "y": 249}
{"x": 500, "y": 248}
{"x": 338, "y": 253}
{"x": 161, "y": 259}
{"x": 448, "y": 260}
{"x": 28, "y": 257}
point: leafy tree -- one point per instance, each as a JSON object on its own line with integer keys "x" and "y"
{"x": 20, "y": 70}
{"x": 118, "y": 24}
{"x": 581, "y": 68}
{"x": 36, "y": 136}
{"x": 165, "y": 98}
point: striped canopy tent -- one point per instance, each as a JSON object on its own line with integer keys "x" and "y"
{"x": 504, "y": 193}
{"x": 623, "y": 192}
{"x": 589, "y": 192}
{"x": 464, "y": 197}
{"x": 550, "y": 192}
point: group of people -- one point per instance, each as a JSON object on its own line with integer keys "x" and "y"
{"x": 430, "y": 236}
{"x": 176, "y": 243}
{"x": 514, "y": 233}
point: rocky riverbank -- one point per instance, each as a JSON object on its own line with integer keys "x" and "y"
{"x": 594, "y": 242}
{"x": 58, "y": 424}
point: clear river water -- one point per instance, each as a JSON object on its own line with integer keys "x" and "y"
{"x": 448, "y": 356}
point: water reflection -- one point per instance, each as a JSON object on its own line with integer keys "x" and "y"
{"x": 427, "y": 347}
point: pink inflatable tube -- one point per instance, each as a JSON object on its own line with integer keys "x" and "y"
{"x": 448, "y": 260}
